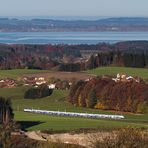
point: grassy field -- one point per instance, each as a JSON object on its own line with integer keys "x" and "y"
{"x": 45, "y": 122}
{"x": 14, "y": 93}
{"x": 17, "y": 73}
{"x": 141, "y": 72}
{"x": 58, "y": 101}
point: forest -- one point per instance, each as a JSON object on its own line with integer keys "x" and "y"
{"x": 71, "y": 58}
{"x": 106, "y": 94}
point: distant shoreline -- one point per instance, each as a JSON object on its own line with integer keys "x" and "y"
{"x": 120, "y": 24}
{"x": 70, "y": 38}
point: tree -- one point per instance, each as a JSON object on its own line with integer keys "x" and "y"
{"x": 6, "y": 121}
{"x": 129, "y": 103}
{"x": 92, "y": 99}
{"x": 40, "y": 92}
{"x": 142, "y": 107}
{"x": 91, "y": 62}
{"x": 72, "y": 94}
{"x": 5, "y": 134}
{"x": 6, "y": 112}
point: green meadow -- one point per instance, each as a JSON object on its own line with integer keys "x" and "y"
{"x": 17, "y": 73}
{"x": 141, "y": 72}
{"x": 58, "y": 101}
{"x": 45, "y": 122}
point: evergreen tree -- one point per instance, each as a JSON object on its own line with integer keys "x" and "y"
{"x": 91, "y": 63}
{"x": 92, "y": 99}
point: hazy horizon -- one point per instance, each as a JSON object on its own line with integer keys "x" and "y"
{"x": 93, "y": 18}
{"x": 59, "y": 17}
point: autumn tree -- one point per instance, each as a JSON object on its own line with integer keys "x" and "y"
{"x": 121, "y": 96}
{"x": 5, "y": 134}
{"x": 6, "y": 121}
{"x": 6, "y": 112}
{"x": 142, "y": 107}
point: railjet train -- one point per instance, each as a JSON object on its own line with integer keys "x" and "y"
{"x": 72, "y": 114}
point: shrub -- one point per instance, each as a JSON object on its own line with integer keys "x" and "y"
{"x": 40, "y": 92}
{"x": 124, "y": 138}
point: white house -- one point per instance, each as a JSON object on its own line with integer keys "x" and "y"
{"x": 40, "y": 82}
{"x": 51, "y": 86}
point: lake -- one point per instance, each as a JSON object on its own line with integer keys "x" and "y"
{"x": 69, "y": 37}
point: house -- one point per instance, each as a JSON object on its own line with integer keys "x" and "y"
{"x": 86, "y": 80}
{"x": 51, "y": 86}
{"x": 70, "y": 83}
{"x": 29, "y": 81}
{"x": 8, "y": 83}
{"x": 40, "y": 80}
{"x": 34, "y": 81}
{"x": 125, "y": 78}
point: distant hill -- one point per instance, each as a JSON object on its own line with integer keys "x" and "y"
{"x": 109, "y": 24}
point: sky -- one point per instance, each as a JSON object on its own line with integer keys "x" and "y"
{"x": 114, "y": 8}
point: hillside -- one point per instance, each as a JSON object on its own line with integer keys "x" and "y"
{"x": 58, "y": 101}
{"x": 72, "y": 57}
{"x": 113, "y": 71}
{"x": 109, "y": 24}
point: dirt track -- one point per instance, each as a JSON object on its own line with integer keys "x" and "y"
{"x": 82, "y": 139}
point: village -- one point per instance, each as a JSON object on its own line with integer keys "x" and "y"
{"x": 57, "y": 83}
{"x": 126, "y": 78}
{"x": 34, "y": 82}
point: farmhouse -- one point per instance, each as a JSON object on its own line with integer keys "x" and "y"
{"x": 51, "y": 86}
{"x": 7, "y": 83}
{"x": 29, "y": 81}
{"x": 40, "y": 80}
{"x": 33, "y": 81}
{"x": 125, "y": 78}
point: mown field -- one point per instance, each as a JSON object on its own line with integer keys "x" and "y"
{"x": 141, "y": 72}
{"x": 58, "y": 101}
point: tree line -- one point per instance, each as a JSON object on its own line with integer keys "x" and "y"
{"x": 70, "y": 57}
{"x": 106, "y": 94}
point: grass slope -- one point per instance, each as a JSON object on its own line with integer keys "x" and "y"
{"x": 16, "y": 73}
{"x": 45, "y": 122}
{"x": 141, "y": 72}
{"x": 14, "y": 93}
{"x": 57, "y": 101}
